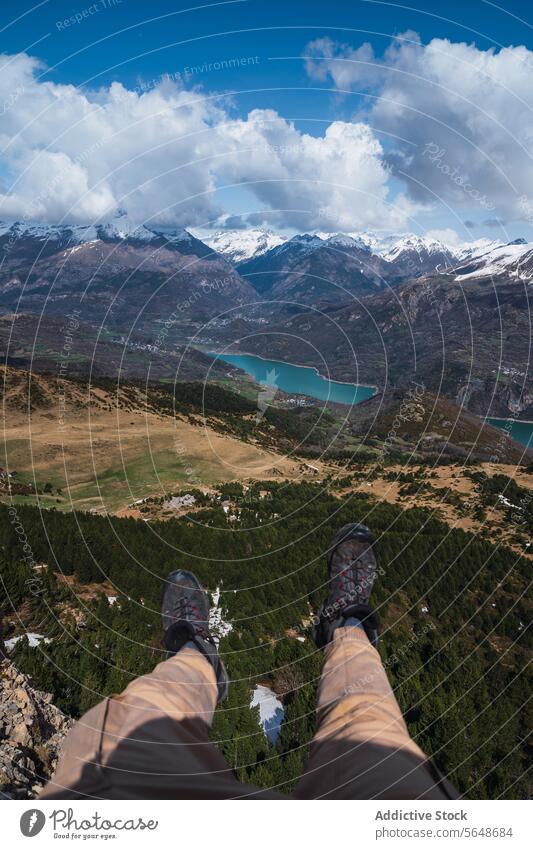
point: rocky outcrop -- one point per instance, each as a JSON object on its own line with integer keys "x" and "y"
{"x": 484, "y": 397}
{"x": 32, "y": 731}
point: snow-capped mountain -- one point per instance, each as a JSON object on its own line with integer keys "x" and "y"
{"x": 361, "y": 241}
{"x": 391, "y": 257}
{"x": 473, "y": 250}
{"x": 22, "y": 237}
{"x": 240, "y": 245}
{"x": 515, "y": 260}
{"x": 314, "y": 270}
{"x": 414, "y": 255}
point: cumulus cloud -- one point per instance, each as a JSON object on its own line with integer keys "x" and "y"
{"x": 338, "y": 180}
{"x": 448, "y": 236}
{"x": 162, "y": 154}
{"x": 459, "y": 119}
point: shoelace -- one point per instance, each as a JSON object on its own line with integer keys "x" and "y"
{"x": 186, "y": 609}
{"x": 350, "y": 578}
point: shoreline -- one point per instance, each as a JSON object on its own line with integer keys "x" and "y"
{"x": 297, "y": 365}
{"x": 506, "y": 419}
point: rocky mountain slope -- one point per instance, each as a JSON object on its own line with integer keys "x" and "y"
{"x": 310, "y": 270}
{"x": 119, "y": 280}
{"x": 467, "y": 342}
{"x": 32, "y": 730}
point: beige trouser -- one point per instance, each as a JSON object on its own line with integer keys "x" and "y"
{"x": 151, "y": 742}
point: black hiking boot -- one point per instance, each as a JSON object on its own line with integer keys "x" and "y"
{"x": 185, "y": 614}
{"x": 352, "y": 570}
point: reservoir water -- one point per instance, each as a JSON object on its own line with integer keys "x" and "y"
{"x": 521, "y": 431}
{"x": 304, "y": 380}
{"x": 297, "y": 380}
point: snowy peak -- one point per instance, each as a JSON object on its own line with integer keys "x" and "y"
{"x": 123, "y": 227}
{"x": 514, "y": 259}
{"x": 77, "y": 235}
{"x": 240, "y": 245}
{"x": 355, "y": 241}
{"x": 307, "y": 240}
{"x": 473, "y": 250}
{"x": 415, "y": 244}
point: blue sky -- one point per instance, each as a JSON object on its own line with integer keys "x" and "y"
{"x": 136, "y": 43}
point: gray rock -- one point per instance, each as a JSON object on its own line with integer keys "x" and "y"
{"x": 32, "y": 731}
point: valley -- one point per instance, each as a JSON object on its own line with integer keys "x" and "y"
{"x": 353, "y": 381}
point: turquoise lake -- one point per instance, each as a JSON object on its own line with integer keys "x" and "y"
{"x": 521, "y": 431}
{"x": 300, "y": 380}
{"x": 303, "y": 380}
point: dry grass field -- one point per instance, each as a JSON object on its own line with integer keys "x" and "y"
{"x": 103, "y": 456}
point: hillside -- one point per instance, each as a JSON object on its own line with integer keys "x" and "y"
{"x": 468, "y": 342}
{"x": 103, "y": 447}
{"x": 453, "y": 607}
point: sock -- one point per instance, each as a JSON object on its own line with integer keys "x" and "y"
{"x": 352, "y": 622}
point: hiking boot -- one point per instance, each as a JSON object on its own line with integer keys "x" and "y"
{"x": 352, "y": 570}
{"x": 185, "y": 614}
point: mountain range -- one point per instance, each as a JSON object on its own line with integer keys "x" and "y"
{"x": 456, "y": 317}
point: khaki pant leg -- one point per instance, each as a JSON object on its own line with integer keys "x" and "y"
{"x": 362, "y": 748}
{"x": 150, "y": 742}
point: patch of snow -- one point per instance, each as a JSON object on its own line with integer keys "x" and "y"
{"x": 76, "y": 235}
{"x": 177, "y": 502}
{"x": 79, "y": 247}
{"x": 307, "y": 242}
{"x": 33, "y": 639}
{"x": 217, "y": 624}
{"x": 508, "y": 503}
{"x": 477, "y": 248}
{"x": 271, "y": 711}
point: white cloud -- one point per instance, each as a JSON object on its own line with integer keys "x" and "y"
{"x": 448, "y": 235}
{"x": 160, "y": 154}
{"x": 460, "y": 119}
{"x": 337, "y": 181}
